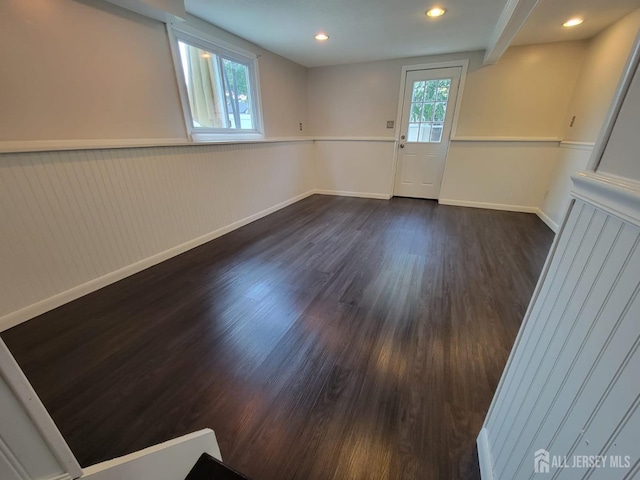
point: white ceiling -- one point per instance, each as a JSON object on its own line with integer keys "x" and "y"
{"x": 359, "y": 30}
{"x": 544, "y": 25}
{"x": 366, "y": 30}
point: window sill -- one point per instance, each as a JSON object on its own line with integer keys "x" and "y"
{"x": 225, "y": 138}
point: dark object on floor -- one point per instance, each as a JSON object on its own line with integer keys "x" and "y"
{"x": 208, "y": 468}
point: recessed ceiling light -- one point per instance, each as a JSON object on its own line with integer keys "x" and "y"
{"x": 322, "y": 37}
{"x": 436, "y": 12}
{"x": 573, "y": 22}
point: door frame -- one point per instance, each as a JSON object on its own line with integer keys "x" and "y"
{"x": 464, "y": 64}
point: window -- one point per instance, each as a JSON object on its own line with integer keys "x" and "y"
{"x": 218, "y": 87}
{"x": 428, "y": 110}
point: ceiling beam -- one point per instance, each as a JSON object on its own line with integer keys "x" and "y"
{"x": 162, "y": 10}
{"x": 511, "y": 20}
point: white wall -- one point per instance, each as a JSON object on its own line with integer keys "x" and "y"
{"x": 503, "y": 100}
{"x": 355, "y": 168}
{"x": 570, "y": 159}
{"x": 499, "y": 175}
{"x": 620, "y": 157}
{"x": 86, "y": 70}
{"x": 76, "y": 221}
{"x": 605, "y": 58}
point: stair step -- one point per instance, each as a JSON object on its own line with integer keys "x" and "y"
{"x": 208, "y": 468}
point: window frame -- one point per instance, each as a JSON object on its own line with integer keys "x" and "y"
{"x": 196, "y": 38}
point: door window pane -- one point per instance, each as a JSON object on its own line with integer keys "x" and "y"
{"x": 443, "y": 90}
{"x": 412, "y": 135}
{"x": 418, "y": 92}
{"x": 436, "y": 133}
{"x": 416, "y": 112}
{"x": 439, "y": 112}
{"x": 425, "y": 132}
{"x": 428, "y": 110}
{"x": 430, "y": 90}
{"x": 427, "y": 115}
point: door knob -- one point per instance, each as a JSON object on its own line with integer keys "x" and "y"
{"x": 402, "y": 137}
{"x": 402, "y": 145}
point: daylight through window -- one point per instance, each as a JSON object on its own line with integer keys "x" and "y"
{"x": 220, "y": 90}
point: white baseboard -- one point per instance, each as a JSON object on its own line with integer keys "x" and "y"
{"x": 547, "y": 219}
{"x": 489, "y": 206}
{"x": 43, "y": 306}
{"x": 380, "y": 196}
{"x": 31, "y": 311}
{"x": 170, "y": 460}
{"x": 484, "y": 456}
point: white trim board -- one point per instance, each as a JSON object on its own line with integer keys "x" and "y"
{"x": 484, "y": 455}
{"x": 577, "y": 145}
{"x": 617, "y": 196}
{"x": 547, "y": 219}
{"x": 27, "y": 146}
{"x": 171, "y": 460}
{"x": 354, "y": 139}
{"x": 507, "y": 208}
{"x": 379, "y": 196}
{"x": 507, "y": 139}
{"x": 488, "y": 206}
{"x": 46, "y": 429}
{"x": 31, "y": 311}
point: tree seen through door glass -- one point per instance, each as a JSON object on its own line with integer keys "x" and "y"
{"x": 428, "y": 110}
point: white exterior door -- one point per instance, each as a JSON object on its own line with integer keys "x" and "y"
{"x": 427, "y": 117}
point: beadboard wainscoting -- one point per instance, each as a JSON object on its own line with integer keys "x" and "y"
{"x": 570, "y": 385}
{"x": 358, "y": 167}
{"x": 75, "y": 221}
{"x": 501, "y": 174}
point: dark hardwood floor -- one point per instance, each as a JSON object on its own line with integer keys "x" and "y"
{"x": 339, "y": 338}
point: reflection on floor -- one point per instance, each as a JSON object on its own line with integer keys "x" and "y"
{"x": 339, "y": 338}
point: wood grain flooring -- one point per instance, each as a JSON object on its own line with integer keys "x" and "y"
{"x": 339, "y": 338}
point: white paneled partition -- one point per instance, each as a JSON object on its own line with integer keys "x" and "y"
{"x": 571, "y": 383}
{"x": 75, "y": 221}
{"x": 31, "y": 447}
